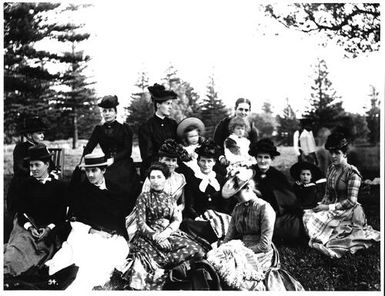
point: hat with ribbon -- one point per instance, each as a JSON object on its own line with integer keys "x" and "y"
{"x": 38, "y": 152}
{"x": 160, "y": 94}
{"x": 236, "y": 182}
{"x": 94, "y": 160}
{"x": 208, "y": 149}
{"x": 109, "y": 102}
{"x": 170, "y": 148}
{"x": 189, "y": 122}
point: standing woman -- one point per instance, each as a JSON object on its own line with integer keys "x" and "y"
{"x": 242, "y": 109}
{"x": 40, "y": 208}
{"x": 115, "y": 140}
{"x": 276, "y": 190}
{"x": 159, "y": 245}
{"x": 338, "y": 224}
{"x": 158, "y": 128}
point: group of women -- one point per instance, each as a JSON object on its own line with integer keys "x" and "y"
{"x": 189, "y": 204}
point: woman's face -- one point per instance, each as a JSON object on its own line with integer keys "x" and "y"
{"x": 242, "y": 110}
{"x": 38, "y": 168}
{"x": 206, "y": 164}
{"x": 264, "y": 161}
{"x": 338, "y": 157}
{"x": 164, "y": 108}
{"x": 109, "y": 114}
{"x": 171, "y": 162}
{"x": 157, "y": 180}
{"x": 192, "y": 137}
{"x": 36, "y": 137}
{"x": 246, "y": 192}
{"x": 95, "y": 175}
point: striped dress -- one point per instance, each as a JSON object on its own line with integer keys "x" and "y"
{"x": 343, "y": 229}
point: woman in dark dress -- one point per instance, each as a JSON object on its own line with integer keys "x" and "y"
{"x": 207, "y": 214}
{"x": 158, "y": 128}
{"x": 159, "y": 245}
{"x": 115, "y": 140}
{"x": 276, "y": 190}
{"x": 40, "y": 208}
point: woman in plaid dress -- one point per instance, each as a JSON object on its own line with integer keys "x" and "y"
{"x": 338, "y": 224}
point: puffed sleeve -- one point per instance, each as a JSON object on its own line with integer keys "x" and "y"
{"x": 267, "y": 229}
{"x": 141, "y": 218}
{"x": 353, "y": 186}
{"x": 127, "y": 151}
{"x": 93, "y": 141}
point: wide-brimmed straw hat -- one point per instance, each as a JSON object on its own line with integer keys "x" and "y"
{"x": 94, "y": 160}
{"x": 187, "y": 122}
{"x": 296, "y": 169}
{"x": 235, "y": 183}
{"x": 38, "y": 152}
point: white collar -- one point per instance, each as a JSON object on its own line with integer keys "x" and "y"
{"x": 44, "y": 180}
{"x": 206, "y": 180}
{"x": 102, "y": 185}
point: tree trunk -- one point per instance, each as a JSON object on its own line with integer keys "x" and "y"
{"x": 75, "y": 135}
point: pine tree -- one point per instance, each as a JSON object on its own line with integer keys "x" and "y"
{"x": 325, "y": 106}
{"x": 373, "y": 116}
{"x": 265, "y": 122}
{"x": 26, "y": 79}
{"x": 287, "y": 125}
{"x": 213, "y": 109}
{"x": 141, "y": 108}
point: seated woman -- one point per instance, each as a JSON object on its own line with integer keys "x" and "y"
{"x": 115, "y": 140}
{"x": 97, "y": 242}
{"x": 276, "y": 190}
{"x": 40, "y": 206}
{"x": 189, "y": 132}
{"x": 308, "y": 183}
{"x": 246, "y": 255}
{"x": 338, "y": 224}
{"x": 158, "y": 245}
{"x": 207, "y": 214}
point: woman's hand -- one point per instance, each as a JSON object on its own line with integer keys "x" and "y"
{"x": 35, "y": 233}
{"x": 165, "y": 234}
{"x": 321, "y": 207}
{"x": 44, "y": 232}
{"x": 165, "y": 244}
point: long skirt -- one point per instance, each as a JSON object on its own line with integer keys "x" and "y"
{"x": 95, "y": 254}
{"x": 242, "y": 269}
{"x": 148, "y": 265}
{"x": 23, "y": 251}
{"x": 337, "y": 232}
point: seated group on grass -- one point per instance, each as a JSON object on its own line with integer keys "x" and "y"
{"x": 195, "y": 211}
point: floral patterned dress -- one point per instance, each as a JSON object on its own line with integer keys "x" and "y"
{"x": 149, "y": 263}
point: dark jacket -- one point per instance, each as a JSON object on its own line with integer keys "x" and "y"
{"x": 115, "y": 139}
{"x": 20, "y": 165}
{"x": 101, "y": 209}
{"x": 151, "y": 136}
{"x": 197, "y": 202}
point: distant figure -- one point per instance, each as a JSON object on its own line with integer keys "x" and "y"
{"x": 304, "y": 143}
{"x": 323, "y": 156}
{"x": 115, "y": 140}
{"x": 157, "y": 128}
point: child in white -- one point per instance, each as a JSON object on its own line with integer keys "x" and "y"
{"x": 236, "y": 145}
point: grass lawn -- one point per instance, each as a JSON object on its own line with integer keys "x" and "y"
{"x": 316, "y": 272}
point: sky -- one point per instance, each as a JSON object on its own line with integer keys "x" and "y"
{"x": 249, "y": 54}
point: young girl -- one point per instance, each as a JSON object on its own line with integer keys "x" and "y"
{"x": 236, "y": 145}
{"x": 307, "y": 177}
